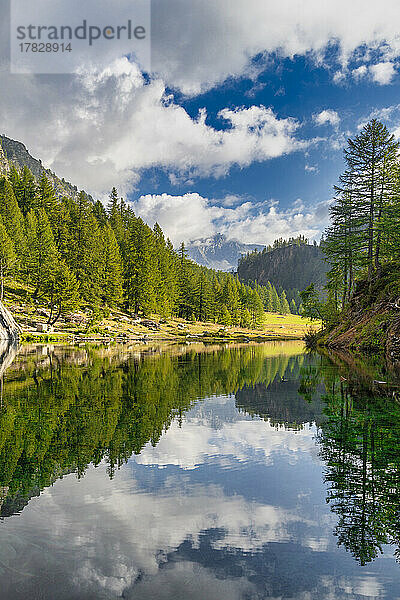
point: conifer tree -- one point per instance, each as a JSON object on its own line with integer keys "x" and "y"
{"x": 61, "y": 290}
{"x": 41, "y": 257}
{"x": 84, "y": 248}
{"x": 284, "y": 305}
{"x": 11, "y": 215}
{"x": 8, "y": 258}
{"x": 275, "y": 301}
{"x": 141, "y": 273}
{"x": 47, "y": 199}
{"x": 25, "y": 190}
{"x": 111, "y": 283}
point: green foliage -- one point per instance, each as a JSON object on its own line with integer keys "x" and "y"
{"x": 61, "y": 290}
{"x": 41, "y": 256}
{"x": 289, "y": 265}
{"x": 60, "y": 416}
{"x": 8, "y": 258}
{"x": 365, "y": 230}
{"x": 73, "y": 250}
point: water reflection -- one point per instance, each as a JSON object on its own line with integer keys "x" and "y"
{"x": 193, "y": 473}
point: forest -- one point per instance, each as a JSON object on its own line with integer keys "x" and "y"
{"x": 73, "y": 251}
{"x": 362, "y": 243}
{"x": 289, "y": 265}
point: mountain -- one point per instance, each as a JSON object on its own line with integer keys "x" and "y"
{"x": 13, "y": 152}
{"x": 217, "y": 252}
{"x": 293, "y": 266}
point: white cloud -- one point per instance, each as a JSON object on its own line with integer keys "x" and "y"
{"x": 114, "y": 124}
{"x": 383, "y": 72}
{"x": 191, "y": 216}
{"x": 103, "y": 126}
{"x": 327, "y": 116}
{"x": 199, "y": 44}
{"x": 360, "y": 72}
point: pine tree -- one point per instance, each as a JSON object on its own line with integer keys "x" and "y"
{"x": 8, "y": 258}
{"x": 293, "y": 307}
{"x": 25, "y": 190}
{"x": 245, "y": 320}
{"x": 275, "y": 301}
{"x": 269, "y": 307}
{"x": 61, "y": 290}
{"x": 141, "y": 270}
{"x": 11, "y": 215}
{"x": 112, "y": 206}
{"x": 166, "y": 278}
{"x": 41, "y": 258}
{"x": 111, "y": 282}
{"x": 225, "y": 318}
{"x": 83, "y": 252}
{"x": 47, "y": 199}
{"x": 371, "y": 158}
{"x": 284, "y": 304}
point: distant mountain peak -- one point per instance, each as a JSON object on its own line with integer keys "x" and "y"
{"x": 218, "y": 252}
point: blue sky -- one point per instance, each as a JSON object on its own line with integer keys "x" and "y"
{"x": 295, "y": 88}
{"x": 238, "y": 128}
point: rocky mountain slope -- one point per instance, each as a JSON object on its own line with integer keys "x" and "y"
{"x": 13, "y": 152}
{"x": 217, "y": 252}
{"x": 289, "y": 267}
{"x": 371, "y": 323}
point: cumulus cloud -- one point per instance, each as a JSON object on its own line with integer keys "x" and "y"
{"x": 133, "y": 534}
{"x": 198, "y": 45}
{"x": 383, "y": 72}
{"x": 191, "y": 216}
{"x": 116, "y": 124}
{"x": 327, "y": 117}
{"x": 106, "y": 124}
{"x": 360, "y": 72}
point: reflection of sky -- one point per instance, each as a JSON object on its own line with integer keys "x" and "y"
{"x": 221, "y": 509}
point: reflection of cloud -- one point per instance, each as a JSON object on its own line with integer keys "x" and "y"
{"x": 100, "y": 539}
{"x": 244, "y": 440}
{"x": 173, "y": 583}
{"x": 105, "y": 535}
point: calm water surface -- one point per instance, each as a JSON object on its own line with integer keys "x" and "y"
{"x": 219, "y": 473}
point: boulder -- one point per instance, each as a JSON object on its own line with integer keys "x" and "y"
{"x": 9, "y": 330}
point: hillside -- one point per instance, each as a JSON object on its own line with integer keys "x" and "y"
{"x": 217, "y": 252}
{"x": 15, "y": 153}
{"x": 371, "y": 321}
{"x": 67, "y": 253}
{"x": 288, "y": 267}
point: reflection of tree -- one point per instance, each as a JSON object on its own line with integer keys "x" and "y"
{"x": 279, "y": 400}
{"x": 360, "y": 443}
{"x": 71, "y": 408}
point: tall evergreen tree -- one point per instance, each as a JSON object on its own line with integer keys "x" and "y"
{"x": 8, "y": 258}
{"x": 41, "y": 257}
{"x": 111, "y": 283}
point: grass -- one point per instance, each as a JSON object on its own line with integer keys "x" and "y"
{"x": 119, "y": 325}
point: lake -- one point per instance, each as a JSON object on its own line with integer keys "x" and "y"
{"x": 194, "y": 472}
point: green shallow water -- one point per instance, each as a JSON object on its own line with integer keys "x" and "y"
{"x": 239, "y": 472}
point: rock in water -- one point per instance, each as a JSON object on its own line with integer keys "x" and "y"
{"x": 9, "y": 329}
{"x": 8, "y": 352}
